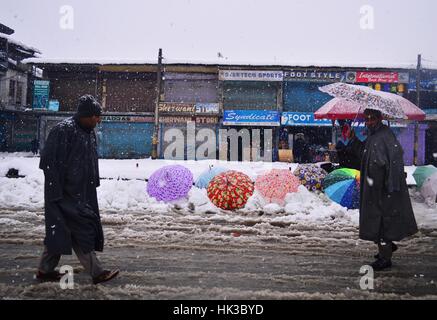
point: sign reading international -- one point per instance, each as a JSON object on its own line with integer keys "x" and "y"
{"x": 303, "y": 119}
{"x": 251, "y": 118}
{"x": 375, "y": 77}
{"x": 251, "y": 75}
{"x": 41, "y": 94}
{"x": 314, "y": 75}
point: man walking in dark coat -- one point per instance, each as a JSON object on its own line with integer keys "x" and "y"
{"x": 386, "y": 214}
{"x": 71, "y": 171}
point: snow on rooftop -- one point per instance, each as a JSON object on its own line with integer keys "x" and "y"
{"x": 221, "y": 61}
{"x": 20, "y": 44}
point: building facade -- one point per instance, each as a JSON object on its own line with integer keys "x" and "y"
{"x": 265, "y": 106}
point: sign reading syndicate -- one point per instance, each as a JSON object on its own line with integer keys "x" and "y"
{"x": 251, "y": 117}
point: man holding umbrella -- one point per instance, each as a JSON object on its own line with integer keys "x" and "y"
{"x": 386, "y": 214}
{"x": 72, "y": 219}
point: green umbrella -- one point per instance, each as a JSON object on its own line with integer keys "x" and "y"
{"x": 423, "y": 172}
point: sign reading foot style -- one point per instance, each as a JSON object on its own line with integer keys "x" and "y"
{"x": 302, "y": 119}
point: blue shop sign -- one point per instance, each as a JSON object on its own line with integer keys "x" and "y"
{"x": 53, "y": 105}
{"x": 41, "y": 94}
{"x": 251, "y": 118}
{"x": 303, "y": 119}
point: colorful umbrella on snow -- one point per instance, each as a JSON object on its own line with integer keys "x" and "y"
{"x": 343, "y": 187}
{"x": 423, "y": 172}
{"x": 275, "y": 184}
{"x": 230, "y": 190}
{"x": 206, "y": 176}
{"x": 170, "y": 183}
{"x": 311, "y": 176}
{"x": 429, "y": 187}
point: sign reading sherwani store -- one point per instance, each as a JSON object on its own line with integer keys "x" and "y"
{"x": 251, "y": 75}
{"x": 251, "y": 118}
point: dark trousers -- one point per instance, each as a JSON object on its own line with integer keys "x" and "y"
{"x": 89, "y": 261}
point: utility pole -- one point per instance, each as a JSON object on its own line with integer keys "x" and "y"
{"x": 416, "y": 127}
{"x": 155, "y": 138}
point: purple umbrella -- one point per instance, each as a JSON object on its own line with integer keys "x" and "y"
{"x": 170, "y": 183}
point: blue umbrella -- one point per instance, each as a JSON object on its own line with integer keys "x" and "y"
{"x": 343, "y": 187}
{"x": 206, "y": 176}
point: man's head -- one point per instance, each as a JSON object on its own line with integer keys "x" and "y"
{"x": 372, "y": 117}
{"x": 88, "y": 111}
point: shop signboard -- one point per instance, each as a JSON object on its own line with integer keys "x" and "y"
{"x": 251, "y": 118}
{"x": 183, "y": 119}
{"x": 314, "y": 75}
{"x": 41, "y": 94}
{"x": 117, "y": 118}
{"x": 251, "y": 75}
{"x": 428, "y": 81}
{"x": 177, "y": 108}
{"x": 207, "y": 108}
{"x": 170, "y": 119}
{"x": 303, "y": 119}
{"x": 54, "y": 105}
{"x": 375, "y": 77}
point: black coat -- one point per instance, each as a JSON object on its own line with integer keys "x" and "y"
{"x": 70, "y": 165}
{"x": 385, "y": 207}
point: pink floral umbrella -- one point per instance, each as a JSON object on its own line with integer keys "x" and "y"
{"x": 275, "y": 184}
{"x": 339, "y": 108}
{"x": 356, "y": 98}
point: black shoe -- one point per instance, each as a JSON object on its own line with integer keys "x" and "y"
{"x": 394, "y": 247}
{"x": 53, "y": 276}
{"x": 106, "y": 276}
{"x": 381, "y": 264}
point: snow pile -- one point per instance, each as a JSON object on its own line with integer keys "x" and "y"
{"x": 117, "y": 195}
{"x": 303, "y": 205}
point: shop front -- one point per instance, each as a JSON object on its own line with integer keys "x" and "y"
{"x": 302, "y": 129}
{"x": 251, "y": 102}
{"x": 249, "y": 135}
{"x": 188, "y": 131}
{"x": 302, "y": 98}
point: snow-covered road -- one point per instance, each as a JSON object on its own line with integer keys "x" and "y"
{"x": 307, "y": 248}
{"x": 177, "y": 256}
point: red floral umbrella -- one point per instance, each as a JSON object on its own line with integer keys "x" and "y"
{"x": 230, "y": 190}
